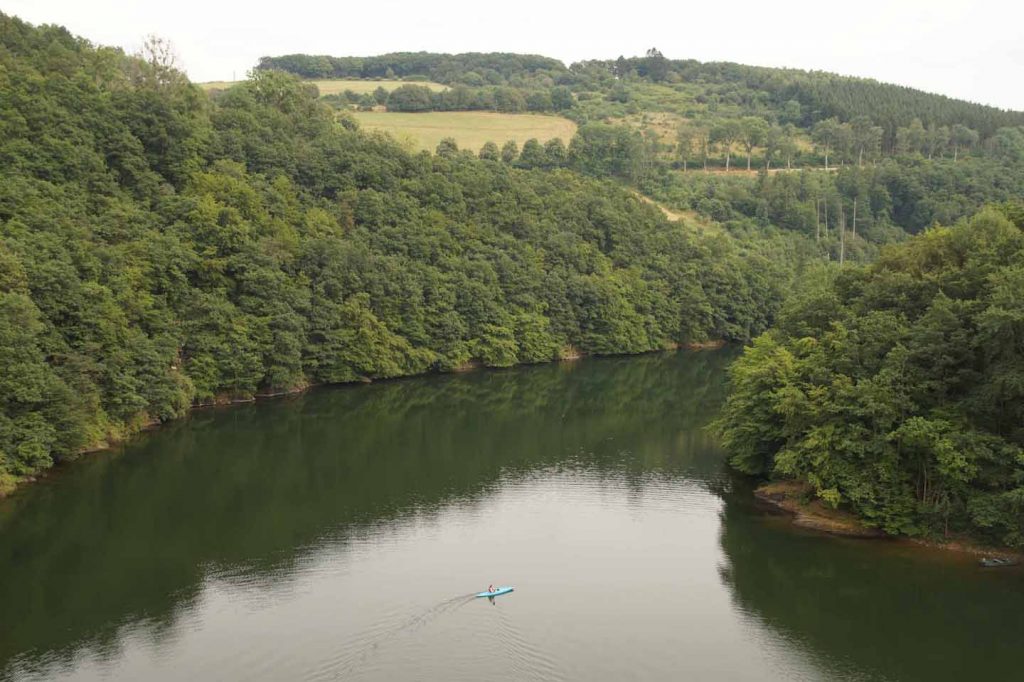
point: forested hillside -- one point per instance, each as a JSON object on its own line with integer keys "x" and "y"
{"x": 820, "y": 95}
{"x": 678, "y": 130}
{"x": 160, "y": 249}
{"x": 756, "y": 90}
{"x": 897, "y": 390}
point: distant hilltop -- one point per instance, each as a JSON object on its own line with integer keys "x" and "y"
{"x": 820, "y": 95}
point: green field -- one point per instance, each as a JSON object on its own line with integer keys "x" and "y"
{"x": 336, "y": 87}
{"x": 471, "y": 129}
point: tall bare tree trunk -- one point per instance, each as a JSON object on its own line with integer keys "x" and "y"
{"x": 817, "y": 220}
{"x": 842, "y": 234}
{"x": 855, "y": 217}
{"x": 826, "y": 217}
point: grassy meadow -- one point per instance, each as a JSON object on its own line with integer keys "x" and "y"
{"x": 471, "y": 129}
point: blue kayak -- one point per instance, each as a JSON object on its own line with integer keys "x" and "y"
{"x": 497, "y": 591}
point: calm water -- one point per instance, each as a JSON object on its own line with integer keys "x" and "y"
{"x": 338, "y": 535}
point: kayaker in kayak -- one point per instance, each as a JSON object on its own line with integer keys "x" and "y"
{"x": 490, "y": 588}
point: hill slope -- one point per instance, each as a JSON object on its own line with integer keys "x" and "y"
{"x": 753, "y": 89}
{"x": 906, "y": 159}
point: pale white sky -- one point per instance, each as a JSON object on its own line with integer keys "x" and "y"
{"x": 968, "y": 49}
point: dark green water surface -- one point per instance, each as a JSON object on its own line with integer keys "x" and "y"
{"x": 340, "y": 534}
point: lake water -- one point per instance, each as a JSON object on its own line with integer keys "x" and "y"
{"x": 340, "y": 535}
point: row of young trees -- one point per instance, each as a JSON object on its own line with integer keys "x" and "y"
{"x": 856, "y": 142}
{"x": 777, "y": 143}
{"x": 473, "y": 69}
{"x": 861, "y": 140}
{"x": 418, "y": 98}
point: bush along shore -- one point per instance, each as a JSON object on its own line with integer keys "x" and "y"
{"x": 797, "y": 501}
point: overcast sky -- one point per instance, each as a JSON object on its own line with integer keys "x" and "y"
{"x": 971, "y": 50}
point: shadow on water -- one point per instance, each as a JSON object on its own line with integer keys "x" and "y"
{"x": 871, "y": 610}
{"x": 128, "y": 537}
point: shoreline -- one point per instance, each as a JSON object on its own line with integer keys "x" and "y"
{"x": 788, "y": 497}
{"x": 145, "y": 423}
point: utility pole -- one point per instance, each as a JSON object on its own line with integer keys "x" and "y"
{"x": 817, "y": 219}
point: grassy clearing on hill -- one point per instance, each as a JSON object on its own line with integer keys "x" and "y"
{"x": 217, "y": 85}
{"x": 690, "y": 219}
{"x": 471, "y": 129}
{"x": 666, "y": 124}
{"x": 336, "y": 87}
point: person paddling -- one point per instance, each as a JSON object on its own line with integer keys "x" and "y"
{"x": 490, "y": 588}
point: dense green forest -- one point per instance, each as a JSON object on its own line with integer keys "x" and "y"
{"x": 159, "y": 249}
{"x": 897, "y": 389}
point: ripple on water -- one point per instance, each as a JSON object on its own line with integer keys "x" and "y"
{"x": 360, "y": 650}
